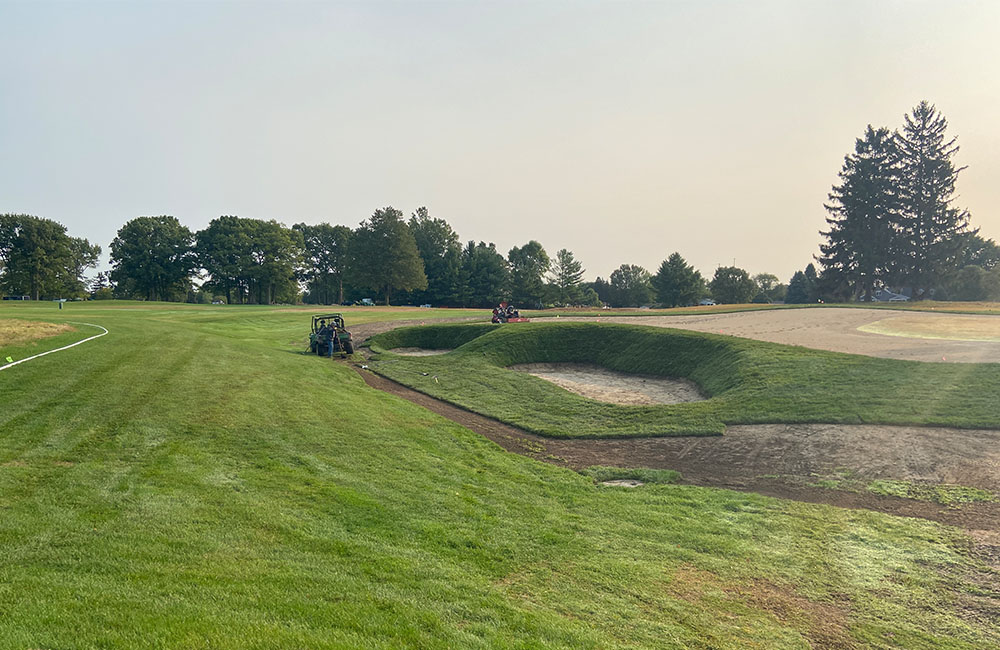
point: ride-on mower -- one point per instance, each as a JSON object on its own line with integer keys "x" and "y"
{"x": 328, "y": 336}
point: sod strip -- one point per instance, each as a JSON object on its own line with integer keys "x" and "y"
{"x": 65, "y": 347}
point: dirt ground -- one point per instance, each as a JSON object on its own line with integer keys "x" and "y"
{"x": 836, "y": 329}
{"x": 606, "y": 385}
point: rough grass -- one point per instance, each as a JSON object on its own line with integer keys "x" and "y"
{"x": 193, "y": 481}
{"x": 16, "y": 333}
{"x": 748, "y": 381}
{"x": 646, "y": 475}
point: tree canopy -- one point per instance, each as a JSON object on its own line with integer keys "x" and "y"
{"x": 732, "y": 285}
{"x": 153, "y": 258}
{"x": 385, "y": 254}
{"x": 527, "y": 266}
{"x": 630, "y": 286}
{"x": 38, "y": 258}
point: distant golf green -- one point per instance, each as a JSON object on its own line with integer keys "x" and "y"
{"x": 191, "y": 480}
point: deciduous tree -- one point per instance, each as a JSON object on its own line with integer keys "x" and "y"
{"x": 153, "y": 258}
{"x": 732, "y": 285}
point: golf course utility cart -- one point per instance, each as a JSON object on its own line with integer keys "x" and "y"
{"x": 328, "y": 336}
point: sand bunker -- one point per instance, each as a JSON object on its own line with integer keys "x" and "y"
{"x": 623, "y": 482}
{"x": 417, "y": 352}
{"x": 606, "y": 385}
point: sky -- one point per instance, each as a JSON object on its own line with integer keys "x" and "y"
{"x": 622, "y": 131}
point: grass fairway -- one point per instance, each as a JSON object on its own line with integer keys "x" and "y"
{"x": 192, "y": 481}
{"x": 749, "y": 381}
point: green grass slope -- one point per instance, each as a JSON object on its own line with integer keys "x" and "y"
{"x": 192, "y": 481}
{"x": 748, "y": 381}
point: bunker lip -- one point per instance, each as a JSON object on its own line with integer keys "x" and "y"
{"x": 418, "y": 352}
{"x": 748, "y": 456}
{"x": 614, "y": 387}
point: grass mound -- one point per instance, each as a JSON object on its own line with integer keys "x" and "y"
{"x": 438, "y": 337}
{"x": 749, "y": 382}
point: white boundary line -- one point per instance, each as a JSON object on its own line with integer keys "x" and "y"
{"x": 65, "y": 347}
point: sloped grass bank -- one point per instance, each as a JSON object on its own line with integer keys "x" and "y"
{"x": 748, "y": 382}
{"x": 190, "y": 483}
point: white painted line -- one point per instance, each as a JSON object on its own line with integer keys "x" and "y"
{"x": 65, "y": 347}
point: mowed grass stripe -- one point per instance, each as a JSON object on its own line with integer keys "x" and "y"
{"x": 206, "y": 491}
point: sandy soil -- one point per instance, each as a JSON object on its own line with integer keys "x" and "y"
{"x": 755, "y": 458}
{"x": 606, "y": 385}
{"x": 836, "y": 329}
{"x": 417, "y": 352}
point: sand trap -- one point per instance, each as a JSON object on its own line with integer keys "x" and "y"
{"x": 623, "y": 482}
{"x": 606, "y": 385}
{"x": 417, "y": 352}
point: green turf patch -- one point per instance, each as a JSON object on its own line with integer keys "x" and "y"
{"x": 940, "y": 493}
{"x": 647, "y": 475}
{"x": 193, "y": 480}
{"x": 748, "y": 382}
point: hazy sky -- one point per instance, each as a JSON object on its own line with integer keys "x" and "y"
{"x": 621, "y": 131}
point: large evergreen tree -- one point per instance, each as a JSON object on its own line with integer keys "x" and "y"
{"x": 864, "y": 210}
{"x": 567, "y": 274}
{"x": 485, "y": 275}
{"x": 385, "y": 255}
{"x": 929, "y": 224}
{"x": 153, "y": 258}
{"x": 677, "y": 283}
{"x": 441, "y": 252}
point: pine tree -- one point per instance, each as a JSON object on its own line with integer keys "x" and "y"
{"x": 677, "y": 283}
{"x": 567, "y": 274}
{"x": 864, "y": 210}
{"x": 929, "y": 225}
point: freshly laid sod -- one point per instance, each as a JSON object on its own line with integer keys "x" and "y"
{"x": 749, "y": 381}
{"x": 193, "y": 481}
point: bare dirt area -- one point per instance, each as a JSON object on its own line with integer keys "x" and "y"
{"x": 837, "y": 329}
{"x": 19, "y": 332}
{"x": 606, "y": 385}
{"x": 417, "y": 352}
{"x": 757, "y": 458}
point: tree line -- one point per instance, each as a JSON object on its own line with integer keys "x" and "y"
{"x": 892, "y": 224}
{"x": 416, "y": 261}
